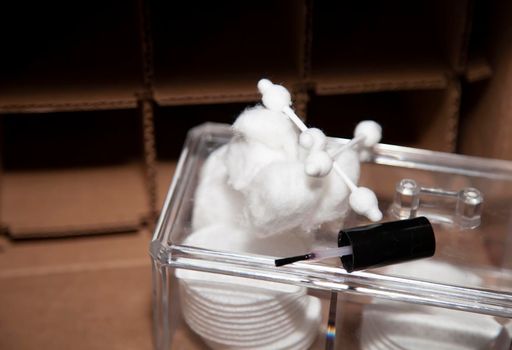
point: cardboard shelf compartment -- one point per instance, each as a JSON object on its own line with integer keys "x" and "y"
{"x": 486, "y": 104}
{"x": 384, "y": 46}
{"x": 169, "y": 136}
{"x": 58, "y": 57}
{"x": 66, "y": 174}
{"x": 418, "y": 118}
{"x": 199, "y": 50}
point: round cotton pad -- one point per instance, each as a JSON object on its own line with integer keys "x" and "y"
{"x": 250, "y": 323}
{"x": 392, "y": 325}
{"x": 270, "y": 333}
{"x": 232, "y": 311}
{"x": 303, "y": 334}
{"x": 261, "y": 310}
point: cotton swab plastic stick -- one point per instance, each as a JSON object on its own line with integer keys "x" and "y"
{"x": 316, "y": 255}
{"x": 355, "y": 141}
{"x": 366, "y": 132}
{"x": 362, "y": 200}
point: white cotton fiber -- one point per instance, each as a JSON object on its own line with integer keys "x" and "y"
{"x": 244, "y": 159}
{"x": 215, "y": 200}
{"x": 270, "y": 128}
{"x": 270, "y": 179}
{"x": 281, "y": 197}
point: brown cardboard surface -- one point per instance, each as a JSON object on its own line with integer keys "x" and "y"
{"x": 452, "y": 28}
{"x": 59, "y": 57}
{"x": 221, "y": 89}
{"x": 46, "y": 202}
{"x": 202, "y": 92}
{"x": 81, "y": 293}
{"x": 417, "y": 118}
{"x": 351, "y": 79}
{"x": 218, "y": 54}
{"x": 478, "y": 68}
{"x": 36, "y": 98}
{"x": 437, "y": 119}
{"x": 487, "y": 105}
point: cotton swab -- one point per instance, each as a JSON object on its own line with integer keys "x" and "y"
{"x": 362, "y": 200}
{"x": 367, "y": 132}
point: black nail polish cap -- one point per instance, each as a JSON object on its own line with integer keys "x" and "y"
{"x": 387, "y": 243}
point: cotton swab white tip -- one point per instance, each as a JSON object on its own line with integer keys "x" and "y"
{"x": 369, "y": 131}
{"x": 318, "y": 164}
{"x": 274, "y": 97}
{"x": 264, "y": 85}
{"x": 364, "y": 202}
{"x": 313, "y": 139}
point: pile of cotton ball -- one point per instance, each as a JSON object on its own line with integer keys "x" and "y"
{"x": 272, "y": 179}
{"x": 266, "y": 192}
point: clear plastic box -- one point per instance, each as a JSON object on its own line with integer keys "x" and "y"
{"x": 459, "y": 299}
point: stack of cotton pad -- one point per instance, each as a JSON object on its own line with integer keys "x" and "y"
{"x": 393, "y": 325}
{"x": 231, "y": 312}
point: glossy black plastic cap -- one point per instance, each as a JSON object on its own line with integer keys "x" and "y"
{"x": 387, "y": 243}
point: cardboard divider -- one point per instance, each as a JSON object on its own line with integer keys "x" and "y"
{"x": 478, "y": 64}
{"x": 382, "y": 46}
{"x": 486, "y": 106}
{"x": 199, "y": 50}
{"x": 418, "y": 118}
{"x": 61, "y": 57}
{"x": 71, "y": 174}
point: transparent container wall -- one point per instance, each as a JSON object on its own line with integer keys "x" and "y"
{"x": 481, "y": 253}
{"x": 371, "y": 324}
{"x": 201, "y": 321}
{"x": 315, "y": 319}
{"x": 414, "y": 305}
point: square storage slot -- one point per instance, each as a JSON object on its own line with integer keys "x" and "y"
{"x": 421, "y": 118}
{"x": 170, "y": 124}
{"x": 376, "y": 46}
{"x": 79, "y": 173}
{"x": 217, "y": 52}
{"x": 68, "y": 56}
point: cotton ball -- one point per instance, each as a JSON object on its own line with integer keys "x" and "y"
{"x": 274, "y": 97}
{"x": 318, "y": 164}
{"x": 245, "y": 158}
{"x": 313, "y": 138}
{"x": 281, "y": 198}
{"x": 364, "y": 202}
{"x": 215, "y": 200}
{"x": 370, "y": 130}
{"x": 270, "y": 128}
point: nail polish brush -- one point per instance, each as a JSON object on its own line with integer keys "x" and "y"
{"x": 377, "y": 245}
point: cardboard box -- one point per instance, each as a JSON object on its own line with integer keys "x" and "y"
{"x": 95, "y": 102}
